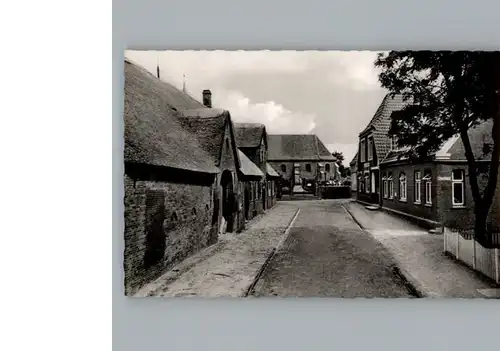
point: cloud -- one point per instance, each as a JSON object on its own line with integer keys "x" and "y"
{"x": 276, "y": 117}
{"x": 332, "y": 94}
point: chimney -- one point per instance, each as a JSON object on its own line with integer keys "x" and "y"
{"x": 207, "y": 98}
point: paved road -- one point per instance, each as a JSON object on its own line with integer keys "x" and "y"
{"x": 420, "y": 255}
{"x": 327, "y": 254}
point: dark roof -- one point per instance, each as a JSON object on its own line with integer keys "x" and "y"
{"x": 453, "y": 148}
{"x": 153, "y": 134}
{"x": 297, "y": 147}
{"x": 249, "y": 134}
{"x": 271, "y": 172}
{"x": 354, "y": 159}
{"x": 247, "y": 167}
{"x": 381, "y": 123}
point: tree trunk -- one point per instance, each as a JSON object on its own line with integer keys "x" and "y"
{"x": 481, "y": 216}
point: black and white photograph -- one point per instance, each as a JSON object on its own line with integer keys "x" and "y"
{"x": 345, "y": 174}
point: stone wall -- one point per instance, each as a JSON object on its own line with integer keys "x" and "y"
{"x": 164, "y": 224}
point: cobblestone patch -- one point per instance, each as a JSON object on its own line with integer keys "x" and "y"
{"x": 229, "y": 267}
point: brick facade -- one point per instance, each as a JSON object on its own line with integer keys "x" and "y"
{"x": 421, "y": 209}
{"x": 441, "y": 210}
{"x": 164, "y": 224}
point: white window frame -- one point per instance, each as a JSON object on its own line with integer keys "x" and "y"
{"x": 372, "y": 182}
{"x": 363, "y": 150}
{"x": 385, "y": 187}
{"x": 369, "y": 146}
{"x": 402, "y": 187}
{"x": 462, "y": 183}
{"x": 391, "y": 186}
{"x": 428, "y": 188}
{"x": 394, "y": 142}
{"x": 418, "y": 188}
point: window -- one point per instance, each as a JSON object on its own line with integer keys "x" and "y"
{"x": 385, "y": 186}
{"x": 402, "y": 187}
{"x": 418, "y": 188}
{"x": 327, "y": 167}
{"x": 373, "y": 183}
{"x": 362, "y": 149}
{"x": 308, "y": 167}
{"x": 394, "y": 142}
{"x": 428, "y": 188}
{"x": 283, "y": 168}
{"x": 367, "y": 183}
{"x": 457, "y": 190}
{"x": 390, "y": 182}
{"x": 370, "y": 149}
{"x": 361, "y": 184}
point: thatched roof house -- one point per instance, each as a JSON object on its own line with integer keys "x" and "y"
{"x": 153, "y": 133}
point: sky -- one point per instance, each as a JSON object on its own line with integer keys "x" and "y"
{"x": 332, "y": 94}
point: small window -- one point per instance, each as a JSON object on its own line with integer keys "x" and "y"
{"x": 418, "y": 188}
{"x": 427, "y": 179}
{"x": 370, "y": 149}
{"x": 457, "y": 179}
{"x": 390, "y": 185}
{"x": 402, "y": 187}
{"x": 394, "y": 142}
{"x": 385, "y": 186}
{"x": 327, "y": 167}
{"x": 362, "y": 149}
{"x": 308, "y": 167}
{"x": 283, "y": 168}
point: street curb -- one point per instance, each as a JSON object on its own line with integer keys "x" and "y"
{"x": 271, "y": 255}
{"x": 396, "y": 270}
{"x": 353, "y": 218}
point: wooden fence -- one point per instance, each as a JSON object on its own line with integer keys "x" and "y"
{"x": 461, "y": 244}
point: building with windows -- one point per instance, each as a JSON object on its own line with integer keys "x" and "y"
{"x": 436, "y": 191}
{"x": 300, "y": 159}
{"x": 374, "y": 144}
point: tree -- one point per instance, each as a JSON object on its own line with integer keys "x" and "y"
{"x": 340, "y": 159}
{"x": 447, "y": 92}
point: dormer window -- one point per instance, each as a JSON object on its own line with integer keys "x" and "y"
{"x": 362, "y": 149}
{"x": 370, "y": 149}
{"x": 394, "y": 142}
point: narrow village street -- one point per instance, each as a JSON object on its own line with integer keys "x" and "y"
{"x": 327, "y": 254}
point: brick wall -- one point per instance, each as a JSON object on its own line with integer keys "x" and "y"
{"x": 409, "y": 206}
{"x": 179, "y": 220}
{"x": 461, "y": 217}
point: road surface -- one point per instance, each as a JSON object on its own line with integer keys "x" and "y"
{"x": 328, "y": 254}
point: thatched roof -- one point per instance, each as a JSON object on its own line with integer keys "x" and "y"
{"x": 249, "y": 134}
{"x": 248, "y": 168}
{"x": 153, "y": 133}
{"x": 284, "y": 147}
